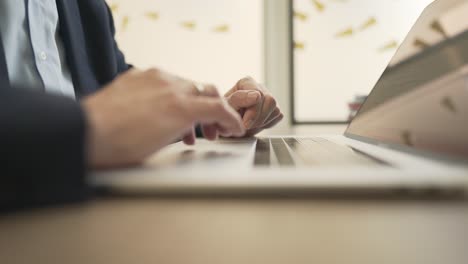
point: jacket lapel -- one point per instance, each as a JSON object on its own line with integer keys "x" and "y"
{"x": 71, "y": 30}
{"x": 4, "y": 80}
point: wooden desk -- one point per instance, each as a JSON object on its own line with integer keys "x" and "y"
{"x": 239, "y": 231}
{"x": 192, "y": 231}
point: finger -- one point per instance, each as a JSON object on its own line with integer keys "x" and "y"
{"x": 247, "y": 83}
{"x": 274, "y": 122}
{"x": 198, "y": 89}
{"x": 252, "y": 114}
{"x": 244, "y": 99}
{"x": 212, "y": 110}
{"x": 210, "y": 90}
{"x": 252, "y": 132}
{"x": 189, "y": 139}
{"x": 210, "y": 132}
{"x": 276, "y": 113}
{"x": 189, "y": 87}
{"x": 222, "y": 132}
{"x": 256, "y": 116}
{"x": 268, "y": 107}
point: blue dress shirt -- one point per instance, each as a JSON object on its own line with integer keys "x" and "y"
{"x": 34, "y": 51}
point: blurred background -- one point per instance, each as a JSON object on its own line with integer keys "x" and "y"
{"x": 205, "y": 40}
{"x": 337, "y": 48}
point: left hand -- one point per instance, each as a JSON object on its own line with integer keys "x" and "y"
{"x": 257, "y": 107}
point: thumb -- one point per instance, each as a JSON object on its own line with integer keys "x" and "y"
{"x": 244, "y": 99}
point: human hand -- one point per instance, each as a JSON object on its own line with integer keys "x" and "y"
{"x": 255, "y": 104}
{"x": 142, "y": 111}
{"x": 210, "y": 131}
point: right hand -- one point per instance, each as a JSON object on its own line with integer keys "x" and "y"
{"x": 142, "y": 111}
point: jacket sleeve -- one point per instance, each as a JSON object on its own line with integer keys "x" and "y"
{"x": 107, "y": 60}
{"x": 42, "y": 150}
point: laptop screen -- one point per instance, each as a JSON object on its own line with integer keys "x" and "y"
{"x": 421, "y": 100}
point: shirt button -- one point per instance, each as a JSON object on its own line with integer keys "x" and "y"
{"x": 43, "y": 56}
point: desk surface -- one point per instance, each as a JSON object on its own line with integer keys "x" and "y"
{"x": 240, "y": 231}
{"x": 245, "y": 230}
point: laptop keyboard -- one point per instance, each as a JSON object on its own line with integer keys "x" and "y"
{"x": 291, "y": 152}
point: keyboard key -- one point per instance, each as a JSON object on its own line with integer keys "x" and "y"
{"x": 282, "y": 152}
{"x": 262, "y": 153}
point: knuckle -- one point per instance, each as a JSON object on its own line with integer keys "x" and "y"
{"x": 131, "y": 74}
{"x": 153, "y": 71}
{"x": 245, "y": 80}
{"x": 155, "y": 76}
{"x": 211, "y": 89}
{"x": 248, "y": 79}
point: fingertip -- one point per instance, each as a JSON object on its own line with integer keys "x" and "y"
{"x": 212, "y": 137}
{"x": 189, "y": 141}
{"x": 210, "y": 132}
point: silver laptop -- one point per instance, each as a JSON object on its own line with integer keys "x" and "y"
{"x": 411, "y": 135}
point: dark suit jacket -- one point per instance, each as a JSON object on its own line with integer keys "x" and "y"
{"x": 42, "y": 137}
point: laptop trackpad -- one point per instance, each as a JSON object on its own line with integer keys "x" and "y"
{"x": 224, "y": 153}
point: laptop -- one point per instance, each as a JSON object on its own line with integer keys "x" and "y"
{"x": 410, "y": 136}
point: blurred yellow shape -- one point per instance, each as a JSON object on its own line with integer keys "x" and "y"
{"x": 419, "y": 43}
{"x": 437, "y": 27}
{"x": 190, "y": 25}
{"x": 299, "y": 45}
{"x": 449, "y": 104}
{"x": 125, "y": 22}
{"x": 319, "y": 5}
{"x": 372, "y": 21}
{"x": 222, "y": 28}
{"x": 301, "y": 16}
{"x": 389, "y": 46}
{"x": 114, "y": 8}
{"x": 345, "y": 33}
{"x": 152, "y": 15}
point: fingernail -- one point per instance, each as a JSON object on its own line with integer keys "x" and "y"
{"x": 253, "y": 96}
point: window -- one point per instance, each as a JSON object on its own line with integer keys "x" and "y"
{"x": 340, "y": 50}
{"x": 204, "y": 40}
